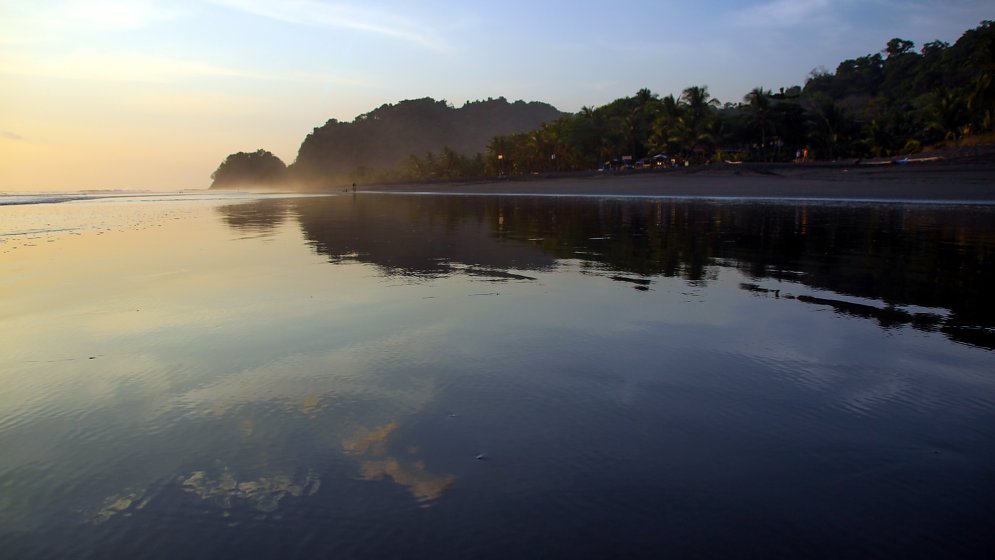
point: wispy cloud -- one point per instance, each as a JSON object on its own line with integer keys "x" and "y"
{"x": 786, "y": 13}
{"x": 101, "y": 14}
{"x": 116, "y": 13}
{"x": 139, "y": 67}
{"x": 342, "y": 16}
{"x": 33, "y": 23}
{"x": 10, "y": 135}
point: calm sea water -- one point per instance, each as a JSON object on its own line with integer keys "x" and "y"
{"x": 379, "y": 376}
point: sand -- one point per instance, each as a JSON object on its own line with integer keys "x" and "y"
{"x": 912, "y": 182}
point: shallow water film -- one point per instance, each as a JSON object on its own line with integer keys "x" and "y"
{"x": 377, "y": 376}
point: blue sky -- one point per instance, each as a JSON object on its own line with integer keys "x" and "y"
{"x": 155, "y": 93}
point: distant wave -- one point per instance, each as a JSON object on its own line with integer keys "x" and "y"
{"x": 7, "y": 199}
{"x": 16, "y": 199}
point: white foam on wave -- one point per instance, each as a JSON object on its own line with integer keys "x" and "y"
{"x": 18, "y": 199}
{"x": 9, "y": 199}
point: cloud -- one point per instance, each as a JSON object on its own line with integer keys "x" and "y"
{"x": 785, "y": 13}
{"x": 111, "y": 66}
{"x": 39, "y": 23}
{"x": 126, "y": 14}
{"x": 100, "y": 15}
{"x": 10, "y": 135}
{"x": 378, "y": 464}
{"x": 342, "y": 16}
{"x": 263, "y": 494}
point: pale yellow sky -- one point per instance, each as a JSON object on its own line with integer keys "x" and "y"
{"x": 128, "y": 94}
{"x": 86, "y": 133}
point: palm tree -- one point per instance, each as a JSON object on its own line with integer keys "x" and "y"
{"x": 949, "y": 115}
{"x": 875, "y": 137}
{"x": 639, "y": 122}
{"x": 588, "y": 134}
{"x": 665, "y": 123}
{"x": 829, "y": 124}
{"x": 760, "y": 106}
{"x": 695, "y": 118}
{"x": 698, "y": 101}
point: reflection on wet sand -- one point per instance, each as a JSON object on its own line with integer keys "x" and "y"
{"x": 311, "y": 405}
{"x": 423, "y": 485}
{"x": 887, "y": 317}
{"x": 119, "y": 504}
{"x": 259, "y": 217}
{"x": 370, "y": 441}
{"x": 403, "y": 236}
{"x": 372, "y": 446}
{"x": 263, "y": 494}
{"x": 230, "y": 377}
{"x": 926, "y": 256}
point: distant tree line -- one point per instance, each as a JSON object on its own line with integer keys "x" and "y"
{"x": 894, "y": 102}
{"x": 883, "y": 104}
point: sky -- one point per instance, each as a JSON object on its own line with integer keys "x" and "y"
{"x": 154, "y": 94}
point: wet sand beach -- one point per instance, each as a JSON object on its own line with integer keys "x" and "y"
{"x": 231, "y": 376}
{"x": 925, "y": 182}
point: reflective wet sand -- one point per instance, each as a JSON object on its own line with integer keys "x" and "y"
{"x": 395, "y": 376}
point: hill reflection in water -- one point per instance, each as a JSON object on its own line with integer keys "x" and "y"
{"x": 896, "y": 257}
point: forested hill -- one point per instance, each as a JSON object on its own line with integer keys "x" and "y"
{"x": 383, "y": 139}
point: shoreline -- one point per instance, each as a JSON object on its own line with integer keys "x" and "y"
{"x": 934, "y": 182}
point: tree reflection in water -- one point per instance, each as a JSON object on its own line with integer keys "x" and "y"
{"x": 896, "y": 255}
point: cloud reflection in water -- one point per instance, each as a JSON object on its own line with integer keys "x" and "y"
{"x": 372, "y": 447}
{"x": 263, "y": 494}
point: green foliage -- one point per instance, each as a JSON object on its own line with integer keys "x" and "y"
{"x": 981, "y": 88}
{"x": 949, "y": 115}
